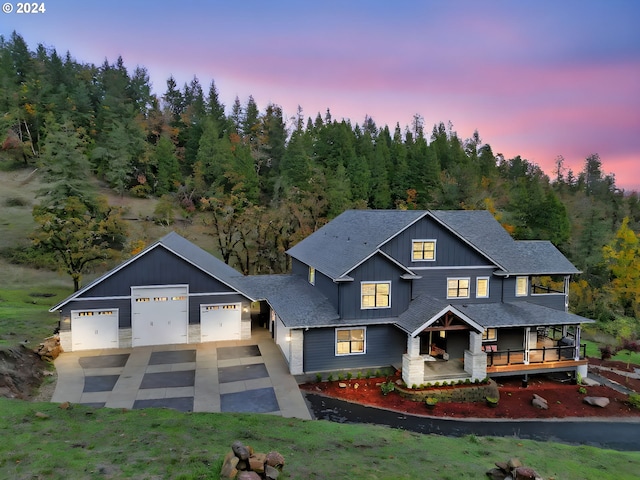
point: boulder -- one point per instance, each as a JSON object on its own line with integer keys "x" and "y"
{"x": 257, "y": 461}
{"x": 596, "y": 401}
{"x": 229, "y": 464}
{"x": 274, "y": 459}
{"x": 590, "y": 382}
{"x": 248, "y": 475}
{"x": 539, "y": 402}
{"x": 271, "y": 473}
{"x": 240, "y": 450}
{"x": 525, "y": 473}
{"x": 497, "y": 474}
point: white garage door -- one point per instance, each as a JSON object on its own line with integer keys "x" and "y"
{"x": 159, "y": 315}
{"x": 94, "y": 329}
{"x": 220, "y": 322}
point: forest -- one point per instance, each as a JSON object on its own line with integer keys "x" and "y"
{"x": 261, "y": 182}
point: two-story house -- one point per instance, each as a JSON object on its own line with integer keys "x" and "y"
{"x": 443, "y": 295}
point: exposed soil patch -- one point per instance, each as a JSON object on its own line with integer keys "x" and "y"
{"x": 564, "y": 399}
{"x": 21, "y": 372}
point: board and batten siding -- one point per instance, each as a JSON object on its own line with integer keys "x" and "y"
{"x": 450, "y": 250}
{"x": 434, "y": 284}
{"x": 122, "y": 304}
{"x": 385, "y": 346}
{"x": 323, "y": 283}
{"x": 156, "y": 267}
{"x": 376, "y": 269}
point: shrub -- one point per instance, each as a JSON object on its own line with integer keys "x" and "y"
{"x": 318, "y": 377}
{"x": 330, "y": 377}
{"x": 378, "y": 373}
{"x": 582, "y": 391}
{"x": 16, "y": 202}
{"x": 431, "y": 402}
{"x": 437, "y": 384}
{"x": 445, "y": 383}
{"x": 414, "y": 386}
{"x": 387, "y": 387}
{"x": 634, "y": 400}
{"x": 359, "y": 375}
{"x": 467, "y": 381}
{"x": 606, "y": 352}
{"x": 368, "y": 374}
{"x": 492, "y": 401}
{"x": 340, "y": 377}
{"x": 349, "y": 375}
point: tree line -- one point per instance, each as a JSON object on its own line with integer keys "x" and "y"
{"x": 262, "y": 182}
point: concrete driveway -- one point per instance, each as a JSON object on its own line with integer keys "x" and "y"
{"x": 235, "y": 376}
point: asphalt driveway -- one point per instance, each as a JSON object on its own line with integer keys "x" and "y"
{"x": 235, "y": 376}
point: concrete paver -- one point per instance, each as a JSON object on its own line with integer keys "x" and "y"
{"x": 253, "y": 373}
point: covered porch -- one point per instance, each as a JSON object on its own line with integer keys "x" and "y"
{"x": 446, "y": 348}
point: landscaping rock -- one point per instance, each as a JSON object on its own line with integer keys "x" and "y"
{"x": 590, "y": 382}
{"x": 274, "y": 459}
{"x": 271, "y": 473}
{"x": 525, "y": 473}
{"x": 596, "y": 401}
{"x": 539, "y": 402}
{"x": 342, "y": 385}
{"x": 512, "y": 470}
{"x": 242, "y": 463}
{"x": 248, "y": 475}
{"x": 240, "y": 450}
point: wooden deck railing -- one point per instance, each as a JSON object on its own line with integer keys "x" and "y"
{"x": 536, "y": 355}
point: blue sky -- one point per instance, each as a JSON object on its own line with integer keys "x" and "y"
{"x": 536, "y": 78}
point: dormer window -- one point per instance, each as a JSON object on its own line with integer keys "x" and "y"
{"x": 423, "y": 251}
{"x": 312, "y": 276}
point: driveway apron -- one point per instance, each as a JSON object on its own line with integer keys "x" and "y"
{"x": 233, "y": 376}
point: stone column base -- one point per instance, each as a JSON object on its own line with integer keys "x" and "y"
{"x": 475, "y": 364}
{"x": 412, "y": 370}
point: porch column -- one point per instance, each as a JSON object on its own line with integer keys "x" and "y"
{"x": 475, "y": 360}
{"x": 527, "y": 339}
{"x": 577, "y": 343}
{"x": 413, "y": 363}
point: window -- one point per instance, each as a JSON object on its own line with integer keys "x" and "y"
{"x": 350, "y": 341}
{"x": 458, "y": 288}
{"x": 482, "y": 287}
{"x": 375, "y": 295}
{"x": 178, "y": 298}
{"x": 490, "y": 335}
{"x": 423, "y": 250}
{"x": 522, "y": 286}
{"x": 312, "y": 275}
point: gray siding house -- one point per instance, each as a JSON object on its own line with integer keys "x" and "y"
{"x": 441, "y": 295}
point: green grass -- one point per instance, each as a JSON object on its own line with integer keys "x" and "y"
{"x": 85, "y": 443}
{"x": 24, "y": 314}
{"x": 593, "y": 350}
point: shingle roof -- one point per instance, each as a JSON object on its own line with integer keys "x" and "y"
{"x": 350, "y": 238}
{"x": 184, "y": 249}
{"x": 353, "y": 236}
{"x": 297, "y": 303}
{"x": 518, "y": 314}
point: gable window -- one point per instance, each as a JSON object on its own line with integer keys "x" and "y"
{"x": 490, "y": 335}
{"x": 375, "y": 295}
{"x": 482, "y": 287}
{"x": 522, "y": 286}
{"x": 350, "y": 341}
{"x": 457, "y": 288}
{"x": 312, "y": 275}
{"x": 423, "y": 250}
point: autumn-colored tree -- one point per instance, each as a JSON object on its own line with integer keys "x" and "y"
{"x": 78, "y": 235}
{"x": 622, "y": 256}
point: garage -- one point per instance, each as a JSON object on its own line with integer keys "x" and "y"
{"x": 220, "y": 322}
{"x": 94, "y": 329}
{"x": 159, "y": 315}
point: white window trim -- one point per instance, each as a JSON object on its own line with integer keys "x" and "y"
{"x": 477, "y": 281}
{"x": 364, "y": 341}
{"x": 526, "y": 283}
{"x": 362, "y": 307}
{"x": 468, "y": 279}
{"x": 495, "y": 339}
{"x": 435, "y": 249}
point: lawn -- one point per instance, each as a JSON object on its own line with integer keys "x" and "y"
{"x": 45, "y": 441}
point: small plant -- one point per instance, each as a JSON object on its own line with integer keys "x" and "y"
{"x": 578, "y": 378}
{"x": 582, "y": 391}
{"x": 492, "y": 401}
{"x": 340, "y": 377}
{"x": 431, "y": 402}
{"x": 634, "y": 400}
{"x": 606, "y": 352}
{"x": 387, "y": 387}
{"x": 476, "y": 381}
{"x": 460, "y": 382}
{"x": 378, "y": 373}
{"x": 467, "y": 381}
{"x": 428, "y": 385}
{"x": 437, "y": 384}
{"x": 368, "y": 374}
{"x": 330, "y": 377}
{"x": 359, "y": 375}
{"x": 445, "y": 383}
{"x": 318, "y": 377}
{"x": 349, "y": 375}
{"x": 414, "y": 386}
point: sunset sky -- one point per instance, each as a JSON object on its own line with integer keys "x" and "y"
{"x": 535, "y": 78}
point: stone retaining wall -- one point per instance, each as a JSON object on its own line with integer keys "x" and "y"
{"x": 457, "y": 393}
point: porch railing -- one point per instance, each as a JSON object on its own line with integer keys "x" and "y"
{"x": 536, "y": 355}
